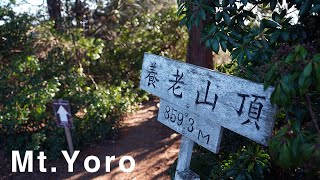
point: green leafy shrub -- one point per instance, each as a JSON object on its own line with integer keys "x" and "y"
{"x": 157, "y": 32}
{"x": 246, "y": 164}
{"x": 54, "y": 66}
{"x": 271, "y": 45}
{"x": 251, "y": 162}
{"x": 99, "y": 77}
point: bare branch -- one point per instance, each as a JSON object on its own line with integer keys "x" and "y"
{"x": 313, "y": 117}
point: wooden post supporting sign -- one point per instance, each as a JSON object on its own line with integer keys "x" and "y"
{"x": 182, "y": 171}
{"x": 198, "y": 103}
{"x": 69, "y": 139}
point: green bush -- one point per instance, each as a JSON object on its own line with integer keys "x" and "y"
{"x": 157, "y": 32}
{"x": 98, "y": 77}
{"x": 51, "y": 66}
{"x": 276, "y": 43}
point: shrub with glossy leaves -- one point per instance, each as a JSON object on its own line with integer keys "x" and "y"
{"x": 275, "y": 42}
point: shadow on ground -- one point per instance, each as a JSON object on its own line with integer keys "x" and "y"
{"x": 153, "y": 146}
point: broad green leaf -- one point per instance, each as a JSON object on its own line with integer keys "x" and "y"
{"x": 231, "y": 1}
{"x": 268, "y": 79}
{"x": 218, "y": 16}
{"x": 302, "y": 79}
{"x": 305, "y": 7}
{"x": 223, "y": 36}
{"x": 241, "y": 176}
{"x": 225, "y": 3}
{"x": 273, "y": 4}
{"x": 265, "y": 156}
{"x": 276, "y": 17}
{"x": 207, "y": 43}
{"x": 250, "y": 167}
{"x": 305, "y": 86}
{"x": 295, "y": 148}
{"x": 213, "y": 29}
{"x": 235, "y": 53}
{"x": 283, "y": 13}
{"x": 202, "y": 14}
{"x": 231, "y": 173}
{"x": 244, "y": 2}
{"x": 316, "y": 57}
{"x": 284, "y": 99}
{"x": 215, "y": 45}
{"x": 303, "y": 52}
{"x": 232, "y": 21}
{"x": 275, "y": 95}
{"x": 249, "y": 13}
{"x": 216, "y": 3}
{"x": 307, "y": 150}
{"x": 284, "y": 156}
{"x": 209, "y": 8}
{"x": 226, "y": 18}
{"x": 285, "y": 88}
{"x": 248, "y": 176}
{"x": 183, "y": 21}
{"x": 259, "y": 169}
{"x": 223, "y": 45}
{"x": 316, "y": 71}
{"x": 307, "y": 70}
{"x": 275, "y": 36}
{"x": 315, "y": 8}
{"x": 197, "y": 21}
{"x": 290, "y": 58}
{"x": 232, "y": 42}
{"x": 248, "y": 53}
{"x": 272, "y": 24}
{"x": 285, "y": 35}
{"x": 241, "y": 57}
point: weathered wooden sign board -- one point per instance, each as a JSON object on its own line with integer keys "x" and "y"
{"x": 201, "y": 130}
{"x": 198, "y": 103}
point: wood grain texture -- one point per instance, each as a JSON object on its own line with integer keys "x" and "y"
{"x": 232, "y": 102}
{"x": 184, "y": 159}
{"x": 198, "y": 129}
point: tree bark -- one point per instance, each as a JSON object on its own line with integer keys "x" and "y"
{"x": 54, "y": 10}
{"x": 197, "y": 53}
{"x": 78, "y": 12}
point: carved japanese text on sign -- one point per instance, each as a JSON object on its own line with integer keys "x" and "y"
{"x": 231, "y": 102}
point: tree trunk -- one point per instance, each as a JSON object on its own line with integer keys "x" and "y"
{"x": 197, "y": 53}
{"x": 78, "y": 12}
{"x": 54, "y": 10}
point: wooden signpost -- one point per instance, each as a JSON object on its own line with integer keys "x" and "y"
{"x": 63, "y": 116}
{"x": 198, "y": 103}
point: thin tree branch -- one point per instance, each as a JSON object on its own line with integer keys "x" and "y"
{"x": 313, "y": 117}
{"x": 94, "y": 82}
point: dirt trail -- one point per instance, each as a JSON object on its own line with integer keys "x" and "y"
{"x": 153, "y": 146}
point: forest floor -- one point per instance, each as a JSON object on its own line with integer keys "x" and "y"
{"x": 153, "y": 146}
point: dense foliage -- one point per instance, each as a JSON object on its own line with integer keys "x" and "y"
{"x": 157, "y": 33}
{"x": 39, "y": 62}
{"x": 43, "y": 68}
{"x": 275, "y": 42}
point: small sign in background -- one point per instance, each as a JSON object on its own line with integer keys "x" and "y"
{"x": 62, "y": 113}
